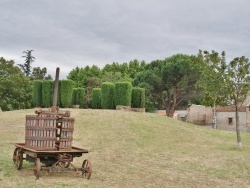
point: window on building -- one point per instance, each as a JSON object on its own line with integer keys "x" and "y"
{"x": 183, "y": 118}
{"x": 230, "y": 120}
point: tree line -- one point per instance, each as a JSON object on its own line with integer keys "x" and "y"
{"x": 171, "y": 83}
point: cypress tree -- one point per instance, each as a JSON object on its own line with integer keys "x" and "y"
{"x": 37, "y": 93}
{"x": 47, "y": 93}
{"x": 107, "y": 99}
{"x": 78, "y": 96}
{"x": 96, "y": 98}
{"x": 138, "y": 98}
{"x": 66, "y": 91}
{"x": 123, "y": 93}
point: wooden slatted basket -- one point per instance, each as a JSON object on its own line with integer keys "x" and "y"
{"x": 40, "y": 132}
{"x": 66, "y": 126}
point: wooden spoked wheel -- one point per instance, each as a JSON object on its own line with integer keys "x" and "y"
{"x": 86, "y": 169}
{"x": 18, "y": 158}
{"x": 37, "y": 168}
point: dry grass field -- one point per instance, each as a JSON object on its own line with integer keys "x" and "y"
{"x": 129, "y": 149}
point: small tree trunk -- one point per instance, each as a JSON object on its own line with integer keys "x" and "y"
{"x": 239, "y": 143}
{"x": 176, "y": 93}
{"x": 214, "y": 117}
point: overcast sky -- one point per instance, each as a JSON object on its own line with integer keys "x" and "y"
{"x": 70, "y": 33}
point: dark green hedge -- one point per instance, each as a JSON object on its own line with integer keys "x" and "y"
{"x": 123, "y": 93}
{"x": 66, "y": 90}
{"x": 138, "y": 98}
{"x": 107, "y": 100}
{"x": 37, "y": 93}
{"x": 96, "y": 98}
{"x": 78, "y": 97}
{"x": 47, "y": 93}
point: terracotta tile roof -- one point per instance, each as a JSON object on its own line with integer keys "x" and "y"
{"x": 229, "y": 109}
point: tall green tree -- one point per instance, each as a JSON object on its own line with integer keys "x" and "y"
{"x": 212, "y": 67}
{"x": 15, "y": 88}
{"x": 78, "y": 96}
{"x": 175, "y": 77}
{"x": 238, "y": 85}
{"x": 123, "y": 93}
{"x": 138, "y": 98}
{"x": 233, "y": 81}
{"x": 96, "y": 98}
{"x": 135, "y": 67}
{"x": 37, "y": 93}
{"x": 151, "y": 82}
{"x": 171, "y": 82}
{"x": 66, "y": 87}
{"x": 40, "y": 74}
{"x": 80, "y": 75}
{"x": 47, "y": 93}
{"x": 92, "y": 82}
{"x": 29, "y": 59}
{"x": 107, "y": 95}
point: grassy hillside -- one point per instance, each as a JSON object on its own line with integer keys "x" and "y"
{"x": 129, "y": 149}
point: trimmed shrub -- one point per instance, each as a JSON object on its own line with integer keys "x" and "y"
{"x": 78, "y": 96}
{"x": 123, "y": 93}
{"x": 96, "y": 98}
{"x": 107, "y": 99}
{"x": 138, "y": 98}
{"x": 47, "y": 93}
{"x": 66, "y": 90}
{"x": 37, "y": 93}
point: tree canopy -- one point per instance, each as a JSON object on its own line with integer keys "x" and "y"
{"x": 15, "y": 88}
{"x": 170, "y": 82}
{"x": 224, "y": 83}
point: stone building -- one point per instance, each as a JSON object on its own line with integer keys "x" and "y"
{"x": 224, "y": 116}
{"x": 200, "y": 115}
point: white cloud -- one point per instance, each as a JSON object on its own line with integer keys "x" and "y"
{"x": 74, "y": 33}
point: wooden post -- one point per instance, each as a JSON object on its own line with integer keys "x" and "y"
{"x": 54, "y": 107}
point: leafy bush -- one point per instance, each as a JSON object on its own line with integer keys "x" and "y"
{"x": 37, "y": 93}
{"x": 96, "y": 98}
{"x": 6, "y": 107}
{"x": 66, "y": 91}
{"x": 47, "y": 93}
{"x": 123, "y": 93}
{"x": 138, "y": 98}
{"x": 78, "y": 97}
{"x": 107, "y": 99}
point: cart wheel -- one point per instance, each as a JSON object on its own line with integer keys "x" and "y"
{"x": 64, "y": 164}
{"x": 18, "y": 158}
{"x": 37, "y": 168}
{"x": 86, "y": 168}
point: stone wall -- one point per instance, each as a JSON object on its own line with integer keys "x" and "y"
{"x": 200, "y": 115}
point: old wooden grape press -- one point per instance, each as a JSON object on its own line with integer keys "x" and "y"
{"x": 48, "y": 141}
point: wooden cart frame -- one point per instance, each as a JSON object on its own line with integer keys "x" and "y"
{"x": 51, "y": 161}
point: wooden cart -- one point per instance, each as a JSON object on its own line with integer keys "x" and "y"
{"x": 51, "y": 161}
{"x": 48, "y": 141}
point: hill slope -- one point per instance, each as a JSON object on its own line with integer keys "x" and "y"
{"x": 129, "y": 149}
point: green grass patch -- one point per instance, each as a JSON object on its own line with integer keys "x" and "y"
{"x": 129, "y": 149}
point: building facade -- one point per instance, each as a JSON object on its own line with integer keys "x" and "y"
{"x": 224, "y": 116}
